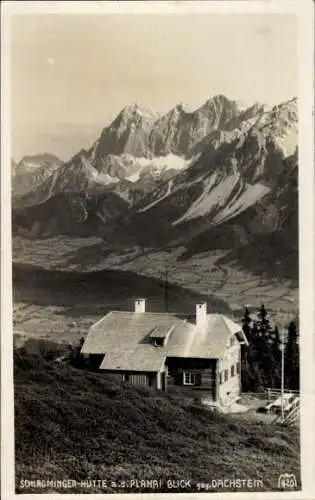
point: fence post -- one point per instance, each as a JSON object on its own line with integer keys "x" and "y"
{"x": 268, "y": 390}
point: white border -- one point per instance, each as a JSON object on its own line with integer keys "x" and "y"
{"x": 304, "y": 9}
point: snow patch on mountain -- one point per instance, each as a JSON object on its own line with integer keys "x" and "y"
{"x": 288, "y": 142}
{"x": 106, "y": 179}
{"x": 156, "y": 166}
{"x": 214, "y": 195}
{"x": 52, "y": 184}
{"x": 251, "y": 195}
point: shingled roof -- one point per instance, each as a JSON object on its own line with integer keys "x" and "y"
{"x": 125, "y": 339}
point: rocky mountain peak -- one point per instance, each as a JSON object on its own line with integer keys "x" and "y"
{"x": 173, "y": 113}
{"x": 286, "y": 112}
{"x": 127, "y": 134}
{"x": 135, "y": 112}
{"x": 219, "y": 101}
{"x": 180, "y": 108}
{"x": 223, "y": 176}
{"x": 39, "y": 160}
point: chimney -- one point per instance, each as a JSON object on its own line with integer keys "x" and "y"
{"x": 139, "y": 305}
{"x": 201, "y": 314}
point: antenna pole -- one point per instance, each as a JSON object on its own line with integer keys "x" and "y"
{"x": 166, "y": 290}
{"x": 282, "y": 375}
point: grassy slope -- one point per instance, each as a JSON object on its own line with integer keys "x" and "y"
{"x": 78, "y": 425}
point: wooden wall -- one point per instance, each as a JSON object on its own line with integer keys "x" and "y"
{"x": 206, "y": 369}
{"x": 135, "y": 378}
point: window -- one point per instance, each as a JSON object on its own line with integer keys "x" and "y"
{"x": 238, "y": 367}
{"x": 159, "y": 342}
{"x": 191, "y": 378}
{"x": 221, "y": 378}
{"x": 125, "y": 377}
{"x": 226, "y": 375}
{"x": 232, "y": 371}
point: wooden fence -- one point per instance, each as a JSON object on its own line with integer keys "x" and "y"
{"x": 277, "y": 392}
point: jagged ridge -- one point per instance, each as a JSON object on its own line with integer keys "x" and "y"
{"x": 215, "y": 166}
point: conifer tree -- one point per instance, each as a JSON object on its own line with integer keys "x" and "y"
{"x": 247, "y": 331}
{"x": 261, "y": 362}
{"x": 252, "y": 374}
{"x": 291, "y": 358}
{"x": 263, "y": 345}
{"x": 275, "y": 347}
{"x": 247, "y": 320}
{"x": 263, "y": 322}
{"x": 276, "y": 339}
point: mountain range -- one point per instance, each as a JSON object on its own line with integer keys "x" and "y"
{"x": 219, "y": 177}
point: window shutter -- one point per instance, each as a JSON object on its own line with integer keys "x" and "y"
{"x": 198, "y": 379}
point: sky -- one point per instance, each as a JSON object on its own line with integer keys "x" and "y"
{"x": 72, "y": 74}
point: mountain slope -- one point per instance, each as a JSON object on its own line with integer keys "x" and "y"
{"x": 228, "y": 178}
{"x": 77, "y": 214}
{"x": 31, "y": 172}
{"x": 220, "y": 172}
{"x": 264, "y": 237}
{"x": 128, "y": 133}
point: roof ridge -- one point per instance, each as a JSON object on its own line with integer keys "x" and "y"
{"x": 128, "y": 332}
{"x": 101, "y": 319}
{"x": 231, "y": 321}
{"x": 226, "y": 324}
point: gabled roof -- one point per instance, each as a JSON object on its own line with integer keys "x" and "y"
{"x": 125, "y": 329}
{"x": 142, "y": 358}
{"x": 125, "y": 338}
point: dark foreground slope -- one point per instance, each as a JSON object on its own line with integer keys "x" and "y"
{"x": 72, "y": 424}
{"x": 108, "y": 289}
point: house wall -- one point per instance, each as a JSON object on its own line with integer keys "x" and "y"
{"x": 205, "y": 368}
{"x": 140, "y": 379}
{"x": 229, "y": 391}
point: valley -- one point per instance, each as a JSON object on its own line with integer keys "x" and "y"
{"x": 155, "y": 161}
{"x": 200, "y": 275}
{"x": 60, "y": 305}
{"x": 208, "y": 197}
